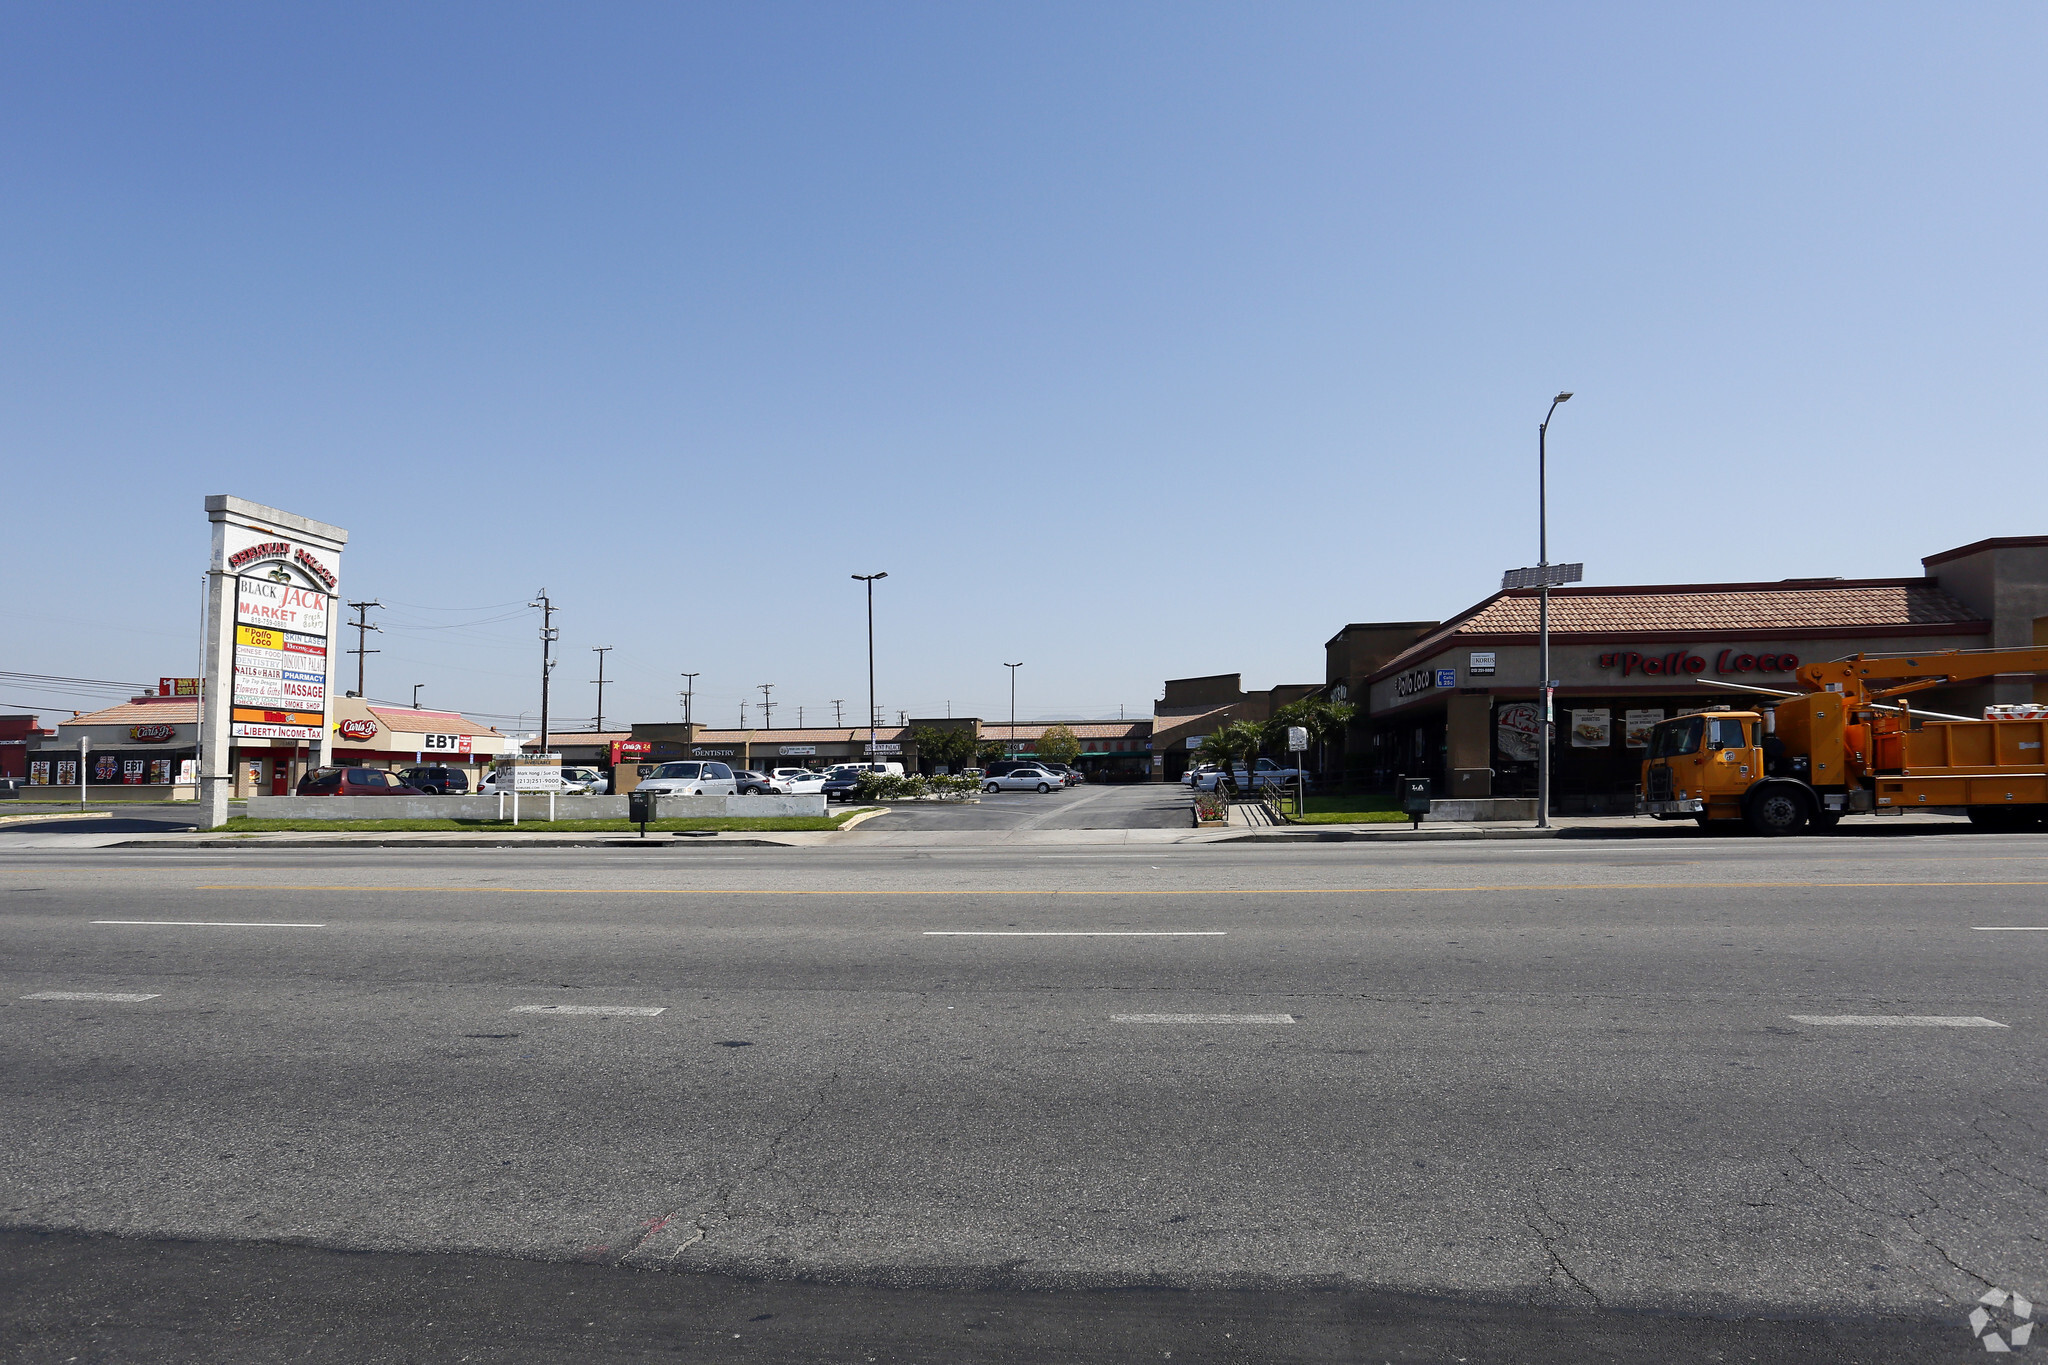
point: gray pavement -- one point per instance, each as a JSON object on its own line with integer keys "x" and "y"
{"x": 1533, "y": 1084}
{"x": 1136, "y": 805}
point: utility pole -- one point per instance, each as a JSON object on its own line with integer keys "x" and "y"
{"x": 689, "y": 683}
{"x": 838, "y": 714}
{"x": 362, "y": 627}
{"x": 869, "y": 579}
{"x": 767, "y": 707}
{"x": 799, "y": 717}
{"x": 743, "y": 713}
{"x": 1013, "y": 701}
{"x": 548, "y": 636}
{"x": 600, "y": 651}
{"x": 903, "y": 718}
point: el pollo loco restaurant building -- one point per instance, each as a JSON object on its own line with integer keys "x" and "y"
{"x": 1460, "y": 704}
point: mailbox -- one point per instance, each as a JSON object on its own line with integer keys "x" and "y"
{"x": 1415, "y": 798}
{"x": 640, "y": 809}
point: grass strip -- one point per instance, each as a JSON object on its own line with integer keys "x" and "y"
{"x": 1351, "y": 810}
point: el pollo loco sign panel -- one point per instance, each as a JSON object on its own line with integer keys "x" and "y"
{"x": 280, "y": 660}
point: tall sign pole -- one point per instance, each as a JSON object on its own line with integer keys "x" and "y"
{"x": 273, "y": 642}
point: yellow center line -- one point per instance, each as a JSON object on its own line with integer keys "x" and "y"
{"x": 1774, "y": 885}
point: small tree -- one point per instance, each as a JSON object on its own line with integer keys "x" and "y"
{"x": 1242, "y": 740}
{"x": 988, "y": 751}
{"x": 954, "y": 748}
{"x": 1058, "y": 745}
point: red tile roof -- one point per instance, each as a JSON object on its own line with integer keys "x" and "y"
{"x": 1798, "y": 606}
{"x": 408, "y": 721}
{"x": 169, "y": 711}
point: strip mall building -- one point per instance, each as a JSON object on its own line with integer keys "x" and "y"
{"x": 1456, "y": 700}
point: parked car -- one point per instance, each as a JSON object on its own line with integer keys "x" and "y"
{"x": 1193, "y": 776}
{"x": 805, "y": 783}
{"x": 839, "y": 783}
{"x": 792, "y": 774}
{"x": 436, "y": 781}
{"x": 1069, "y": 775}
{"x": 1004, "y": 765}
{"x": 585, "y": 782}
{"x": 1022, "y": 779}
{"x": 752, "y": 783}
{"x": 1268, "y": 774}
{"x": 692, "y": 779}
{"x": 354, "y": 782}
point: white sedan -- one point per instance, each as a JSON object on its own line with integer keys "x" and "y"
{"x": 805, "y": 784}
{"x": 1022, "y": 779}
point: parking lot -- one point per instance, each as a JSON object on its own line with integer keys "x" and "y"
{"x": 1138, "y": 805}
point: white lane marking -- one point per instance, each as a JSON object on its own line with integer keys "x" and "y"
{"x": 588, "y": 1009}
{"x": 2011, "y": 928}
{"x": 89, "y": 995}
{"x": 1201, "y": 1018}
{"x": 1902, "y": 1020}
{"x": 215, "y": 923}
{"x": 1075, "y": 933}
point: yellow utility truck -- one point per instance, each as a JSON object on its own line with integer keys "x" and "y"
{"x": 1852, "y": 744}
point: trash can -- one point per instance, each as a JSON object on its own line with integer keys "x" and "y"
{"x": 640, "y": 808}
{"x": 1415, "y": 798}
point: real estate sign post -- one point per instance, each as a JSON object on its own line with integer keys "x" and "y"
{"x": 272, "y": 638}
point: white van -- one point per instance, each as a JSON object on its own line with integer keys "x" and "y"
{"x": 691, "y": 779}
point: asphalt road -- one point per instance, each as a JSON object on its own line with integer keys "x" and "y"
{"x": 1131, "y": 805}
{"x": 1413, "y": 1102}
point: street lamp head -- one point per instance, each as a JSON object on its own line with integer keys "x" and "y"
{"x": 1563, "y": 397}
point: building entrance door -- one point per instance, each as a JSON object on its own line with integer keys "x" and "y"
{"x": 280, "y": 777}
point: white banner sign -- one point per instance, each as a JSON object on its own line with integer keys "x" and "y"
{"x": 798, "y": 750}
{"x": 443, "y": 744}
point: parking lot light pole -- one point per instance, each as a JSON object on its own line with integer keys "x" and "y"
{"x": 869, "y": 579}
{"x": 1013, "y": 702}
{"x": 1543, "y": 613}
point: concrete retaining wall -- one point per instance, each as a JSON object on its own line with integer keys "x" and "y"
{"x": 1482, "y": 808}
{"x": 531, "y": 807}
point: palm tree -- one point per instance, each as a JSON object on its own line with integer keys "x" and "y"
{"x": 1242, "y": 740}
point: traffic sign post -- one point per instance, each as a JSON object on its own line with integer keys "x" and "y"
{"x": 1297, "y": 744}
{"x": 1543, "y": 578}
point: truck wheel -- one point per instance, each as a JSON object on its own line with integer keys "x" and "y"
{"x": 1776, "y": 811}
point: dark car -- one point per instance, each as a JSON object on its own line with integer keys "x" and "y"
{"x": 840, "y": 783}
{"x": 354, "y": 782}
{"x": 436, "y": 781}
{"x": 752, "y": 783}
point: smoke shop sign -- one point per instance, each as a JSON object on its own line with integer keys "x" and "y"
{"x": 1684, "y": 663}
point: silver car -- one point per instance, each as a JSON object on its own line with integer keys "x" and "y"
{"x": 1022, "y": 779}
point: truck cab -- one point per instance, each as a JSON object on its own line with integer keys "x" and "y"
{"x": 1724, "y": 765}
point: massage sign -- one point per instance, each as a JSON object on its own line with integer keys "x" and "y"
{"x": 1684, "y": 663}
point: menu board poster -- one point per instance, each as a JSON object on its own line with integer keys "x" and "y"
{"x": 39, "y": 773}
{"x": 160, "y": 772}
{"x": 67, "y": 772}
{"x": 1636, "y": 726}
{"x": 1518, "y": 733}
{"x": 1592, "y": 729}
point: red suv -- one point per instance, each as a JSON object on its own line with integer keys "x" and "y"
{"x": 354, "y": 782}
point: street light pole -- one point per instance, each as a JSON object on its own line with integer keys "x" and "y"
{"x": 1543, "y": 613}
{"x": 1013, "y": 700}
{"x": 689, "y": 685}
{"x": 869, "y": 579}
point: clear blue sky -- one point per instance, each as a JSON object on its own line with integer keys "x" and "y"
{"x": 688, "y": 313}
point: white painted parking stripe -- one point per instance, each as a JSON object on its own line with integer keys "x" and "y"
{"x": 215, "y": 923}
{"x": 1201, "y": 1018}
{"x": 1903, "y": 1020}
{"x": 2011, "y": 928}
{"x": 89, "y": 995}
{"x": 589, "y": 1009}
{"x": 1075, "y": 933}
